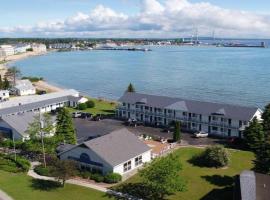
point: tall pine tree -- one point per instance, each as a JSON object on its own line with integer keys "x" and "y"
{"x": 1, "y": 83}
{"x": 65, "y": 129}
{"x": 266, "y": 120}
{"x": 254, "y": 135}
{"x": 130, "y": 88}
{"x": 177, "y": 132}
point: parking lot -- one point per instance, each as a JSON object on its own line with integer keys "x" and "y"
{"x": 87, "y": 129}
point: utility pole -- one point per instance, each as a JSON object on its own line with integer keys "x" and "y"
{"x": 42, "y": 141}
{"x": 14, "y": 147}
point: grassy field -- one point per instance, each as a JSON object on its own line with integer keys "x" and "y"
{"x": 208, "y": 183}
{"x": 101, "y": 107}
{"x": 22, "y": 187}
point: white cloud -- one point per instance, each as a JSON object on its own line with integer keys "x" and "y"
{"x": 169, "y": 18}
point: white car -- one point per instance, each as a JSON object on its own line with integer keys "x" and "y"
{"x": 201, "y": 134}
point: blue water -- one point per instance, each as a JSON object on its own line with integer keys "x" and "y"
{"x": 229, "y": 75}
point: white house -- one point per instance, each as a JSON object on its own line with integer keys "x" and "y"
{"x": 40, "y": 48}
{"x": 24, "y": 87}
{"x": 119, "y": 151}
{"x": 4, "y": 95}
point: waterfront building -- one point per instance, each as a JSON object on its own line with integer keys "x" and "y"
{"x": 214, "y": 118}
{"x": 4, "y": 95}
{"x": 40, "y": 48}
{"x": 119, "y": 151}
{"x": 6, "y": 50}
{"x": 16, "y": 109}
{"x": 21, "y": 48}
{"x": 24, "y": 87}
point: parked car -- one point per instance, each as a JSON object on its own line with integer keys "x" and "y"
{"x": 76, "y": 114}
{"x": 86, "y": 115}
{"x": 200, "y": 134}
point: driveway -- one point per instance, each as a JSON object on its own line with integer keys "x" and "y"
{"x": 87, "y": 129}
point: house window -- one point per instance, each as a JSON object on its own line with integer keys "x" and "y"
{"x": 137, "y": 106}
{"x": 138, "y": 160}
{"x": 127, "y": 166}
{"x": 184, "y": 114}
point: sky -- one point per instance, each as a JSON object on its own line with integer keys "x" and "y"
{"x": 135, "y": 18}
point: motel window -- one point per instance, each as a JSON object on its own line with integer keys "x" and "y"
{"x": 169, "y": 111}
{"x": 184, "y": 113}
{"x": 194, "y": 115}
{"x": 215, "y": 118}
{"x": 146, "y": 108}
{"x": 138, "y": 160}
{"x": 137, "y": 106}
{"x": 214, "y": 128}
{"x": 124, "y": 104}
{"x": 127, "y": 166}
{"x": 245, "y": 123}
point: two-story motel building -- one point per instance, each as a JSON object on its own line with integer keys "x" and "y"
{"x": 214, "y": 118}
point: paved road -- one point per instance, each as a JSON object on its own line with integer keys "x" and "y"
{"x": 4, "y": 196}
{"x": 86, "y": 129}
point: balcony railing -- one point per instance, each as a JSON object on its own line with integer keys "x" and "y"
{"x": 184, "y": 119}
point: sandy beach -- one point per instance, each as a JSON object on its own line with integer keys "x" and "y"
{"x": 40, "y": 85}
{"x": 43, "y": 85}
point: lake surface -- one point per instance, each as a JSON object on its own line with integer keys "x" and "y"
{"x": 229, "y": 75}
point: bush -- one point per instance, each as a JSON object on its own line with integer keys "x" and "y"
{"x": 23, "y": 164}
{"x": 90, "y": 104}
{"x": 41, "y": 170}
{"x": 82, "y": 106}
{"x": 215, "y": 156}
{"x": 85, "y": 174}
{"x": 97, "y": 177}
{"x": 112, "y": 178}
{"x": 8, "y": 163}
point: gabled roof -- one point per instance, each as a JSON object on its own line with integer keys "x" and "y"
{"x": 117, "y": 147}
{"x": 192, "y": 106}
{"x": 21, "y": 122}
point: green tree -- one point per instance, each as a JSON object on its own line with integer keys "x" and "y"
{"x": 65, "y": 130}
{"x": 90, "y": 104}
{"x": 13, "y": 73}
{"x": 34, "y": 127}
{"x": 82, "y": 106}
{"x": 262, "y": 161}
{"x": 130, "y": 88}
{"x": 64, "y": 170}
{"x": 6, "y": 84}
{"x": 162, "y": 176}
{"x": 266, "y": 120}
{"x": 177, "y": 132}
{"x": 254, "y": 135}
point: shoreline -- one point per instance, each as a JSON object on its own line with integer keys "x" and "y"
{"x": 40, "y": 85}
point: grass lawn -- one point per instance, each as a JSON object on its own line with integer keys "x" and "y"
{"x": 22, "y": 187}
{"x": 101, "y": 107}
{"x": 208, "y": 183}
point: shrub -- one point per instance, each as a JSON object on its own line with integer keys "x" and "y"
{"x": 41, "y": 170}
{"x": 8, "y": 163}
{"x": 97, "y": 177}
{"x": 215, "y": 156}
{"x": 85, "y": 174}
{"x": 112, "y": 178}
{"x": 23, "y": 164}
{"x": 90, "y": 104}
{"x": 82, "y": 106}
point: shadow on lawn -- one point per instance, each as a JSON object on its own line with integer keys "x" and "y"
{"x": 45, "y": 185}
{"x": 138, "y": 190}
{"x": 220, "y": 180}
{"x": 219, "y": 194}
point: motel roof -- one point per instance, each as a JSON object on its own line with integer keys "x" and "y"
{"x": 192, "y": 106}
{"x": 21, "y": 122}
{"x": 25, "y": 103}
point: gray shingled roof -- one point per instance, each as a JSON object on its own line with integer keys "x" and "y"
{"x": 199, "y": 107}
{"x": 21, "y": 122}
{"x": 117, "y": 147}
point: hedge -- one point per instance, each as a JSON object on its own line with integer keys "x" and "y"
{"x": 112, "y": 178}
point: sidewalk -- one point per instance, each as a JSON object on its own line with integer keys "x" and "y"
{"x": 4, "y": 196}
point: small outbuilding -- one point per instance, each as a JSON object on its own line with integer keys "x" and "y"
{"x": 120, "y": 151}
